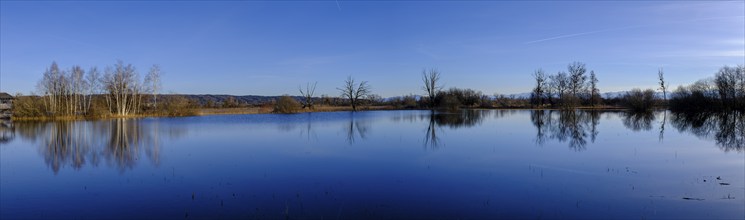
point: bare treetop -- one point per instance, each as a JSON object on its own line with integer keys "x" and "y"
{"x": 354, "y": 91}
{"x": 431, "y": 81}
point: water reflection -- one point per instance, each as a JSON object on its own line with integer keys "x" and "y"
{"x": 462, "y": 119}
{"x": 356, "y": 128}
{"x": 638, "y": 121}
{"x": 726, "y": 128}
{"x": 119, "y": 142}
{"x": 6, "y": 131}
{"x": 574, "y": 127}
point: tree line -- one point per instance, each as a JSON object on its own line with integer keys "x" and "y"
{"x": 568, "y": 89}
{"x": 118, "y": 90}
{"x": 725, "y": 91}
{"x": 575, "y": 87}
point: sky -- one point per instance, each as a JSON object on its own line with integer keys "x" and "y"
{"x": 271, "y": 48}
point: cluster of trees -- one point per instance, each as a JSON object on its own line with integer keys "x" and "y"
{"x": 120, "y": 91}
{"x": 453, "y": 98}
{"x": 576, "y": 86}
{"x": 566, "y": 89}
{"x": 117, "y": 90}
{"x": 726, "y": 91}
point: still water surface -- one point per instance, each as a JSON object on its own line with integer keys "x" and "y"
{"x": 384, "y": 164}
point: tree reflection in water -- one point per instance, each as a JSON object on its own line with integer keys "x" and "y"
{"x": 358, "y": 127}
{"x": 574, "y": 127}
{"x": 638, "y": 121}
{"x": 452, "y": 120}
{"x": 118, "y": 142}
{"x": 727, "y": 129}
{"x": 6, "y": 131}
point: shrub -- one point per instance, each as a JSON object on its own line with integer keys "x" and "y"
{"x": 28, "y": 106}
{"x": 177, "y": 105}
{"x": 286, "y": 105}
{"x": 450, "y": 103}
{"x": 638, "y": 100}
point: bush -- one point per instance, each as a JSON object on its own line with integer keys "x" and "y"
{"x": 638, "y": 100}
{"x": 28, "y": 106}
{"x": 694, "y": 99}
{"x": 177, "y": 105}
{"x": 450, "y": 103}
{"x": 286, "y": 105}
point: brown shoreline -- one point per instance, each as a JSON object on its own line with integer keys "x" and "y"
{"x": 263, "y": 110}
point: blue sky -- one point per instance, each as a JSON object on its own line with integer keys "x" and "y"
{"x": 269, "y": 48}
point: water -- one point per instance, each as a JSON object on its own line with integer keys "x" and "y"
{"x": 382, "y": 164}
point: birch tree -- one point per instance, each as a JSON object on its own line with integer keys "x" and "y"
{"x": 152, "y": 82}
{"x": 93, "y": 78}
{"x": 122, "y": 87}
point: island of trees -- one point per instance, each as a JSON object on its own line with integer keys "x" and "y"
{"x": 120, "y": 91}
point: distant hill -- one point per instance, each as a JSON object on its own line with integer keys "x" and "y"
{"x": 245, "y": 99}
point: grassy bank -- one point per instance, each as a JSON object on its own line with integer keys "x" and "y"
{"x": 270, "y": 110}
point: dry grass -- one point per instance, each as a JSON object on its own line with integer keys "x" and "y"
{"x": 233, "y": 111}
{"x": 269, "y": 109}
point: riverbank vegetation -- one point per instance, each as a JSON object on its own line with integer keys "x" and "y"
{"x": 119, "y": 91}
{"x": 724, "y": 92}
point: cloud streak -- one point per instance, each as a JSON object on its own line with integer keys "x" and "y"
{"x": 625, "y": 28}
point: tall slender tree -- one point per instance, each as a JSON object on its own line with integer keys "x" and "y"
{"x": 594, "y": 91}
{"x": 577, "y": 78}
{"x": 152, "y": 82}
{"x": 93, "y": 78}
{"x": 540, "y": 87}
{"x": 663, "y": 84}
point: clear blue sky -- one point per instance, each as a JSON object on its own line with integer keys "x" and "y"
{"x": 269, "y": 48}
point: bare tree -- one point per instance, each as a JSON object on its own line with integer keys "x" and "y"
{"x": 51, "y": 87}
{"x": 93, "y": 78}
{"x": 663, "y": 85}
{"x": 152, "y": 82}
{"x": 559, "y": 84}
{"x": 308, "y": 95}
{"x": 431, "y": 80}
{"x": 354, "y": 91}
{"x": 77, "y": 88}
{"x": 123, "y": 88}
{"x": 540, "y": 87}
{"x": 594, "y": 91}
{"x": 727, "y": 85}
{"x": 740, "y": 72}
{"x": 577, "y": 78}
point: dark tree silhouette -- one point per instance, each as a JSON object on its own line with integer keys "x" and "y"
{"x": 432, "y": 86}
{"x": 354, "y": 91}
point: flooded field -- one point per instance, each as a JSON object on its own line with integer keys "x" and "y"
{"x": 480, "y": 164}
